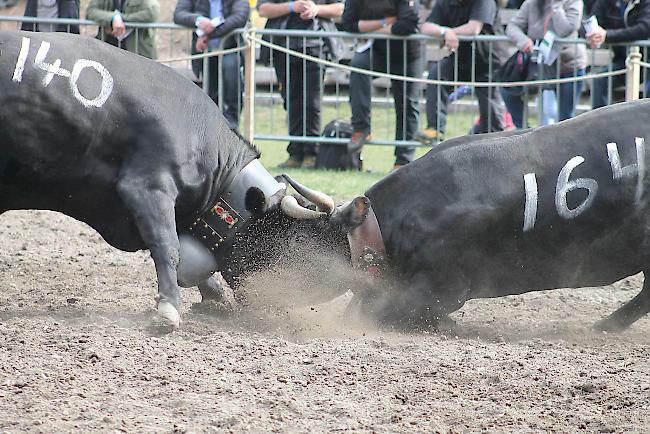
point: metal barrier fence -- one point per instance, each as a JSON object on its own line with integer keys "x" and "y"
{"x": 386, "y": 76}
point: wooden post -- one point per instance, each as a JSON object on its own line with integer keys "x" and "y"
{"x": 248, "y": 130}
{"x": 633, "y": 75}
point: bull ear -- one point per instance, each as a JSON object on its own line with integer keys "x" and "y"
{"x": 350, "y": 215}
{"x": 256, "y": 201}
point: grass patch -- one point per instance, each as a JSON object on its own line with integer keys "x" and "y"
{"x": 378, "y": 160}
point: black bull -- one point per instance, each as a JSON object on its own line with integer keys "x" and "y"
{"x": 561, "y": 206}
{"x": 138, "y": 153}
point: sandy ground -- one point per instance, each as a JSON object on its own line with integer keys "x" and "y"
{"x": 81, "y": 350}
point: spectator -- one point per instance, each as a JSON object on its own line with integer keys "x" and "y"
{"x": 214, "y": 20}
{"x": 534, "y": 19}
{"x": 448, "y": 19}
{"x": 52, "y": 9}
{"x": 299, "y": 81}
{"x": 618, "y": 21}
{"x": 397, "y": 17}
{"x": 111, "y": 16}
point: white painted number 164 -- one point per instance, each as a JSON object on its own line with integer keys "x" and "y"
{"x": 565, "y": 185}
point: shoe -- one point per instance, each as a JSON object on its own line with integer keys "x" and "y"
{"x": 397, "y": 166}
{"x": 309, "y": 162}
{"x": 429, "y": 136}
{"x": 358, "y": 139}
{"x": 291, "y": 163}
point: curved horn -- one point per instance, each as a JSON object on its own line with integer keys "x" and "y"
{"x": 293, "y": 209}
{"x": 320, "y": 199}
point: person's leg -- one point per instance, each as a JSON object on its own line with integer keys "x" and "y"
{"x": 601, "y": 85}
{"x": 437, "y": 95}
{"x": 312, "y": 108}
{"x": 360, "y": 93}
{"x": 406, "y": 96}
{"x": 569, "y": 92}
{"x": 280, "y": 65}
{"x": 514, "y": 104}
{"x": 232, "y": 88}
{"x": 296, "y": 104}
{"x": 489, "y": 101}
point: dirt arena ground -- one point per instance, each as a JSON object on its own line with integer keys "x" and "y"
{"x": 81, "y": 350}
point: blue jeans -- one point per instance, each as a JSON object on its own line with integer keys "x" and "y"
{"x": 513, "y": 97}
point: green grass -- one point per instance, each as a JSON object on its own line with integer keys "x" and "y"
{"x": 378, "y": 160}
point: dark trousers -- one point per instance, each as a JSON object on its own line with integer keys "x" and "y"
{"x": 300, "y": 86}
{"x": 489, "y": 100}
{"x": 232, "y": 86}
{"x": 404, "y": 93}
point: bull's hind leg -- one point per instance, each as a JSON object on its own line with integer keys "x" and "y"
{"x": 153, "y": 210}
{"x": 631, "y": 311}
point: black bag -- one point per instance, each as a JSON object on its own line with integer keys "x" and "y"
{"x": 336, "y": 156}
{"x": 515, "y": 68}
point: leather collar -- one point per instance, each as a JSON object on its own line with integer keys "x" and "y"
{"x": 367, "y": 247}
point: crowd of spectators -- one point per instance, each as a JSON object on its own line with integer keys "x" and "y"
{"x": 533, "y": 30}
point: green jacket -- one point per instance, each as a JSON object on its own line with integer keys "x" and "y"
{"x": 143, "y": 11}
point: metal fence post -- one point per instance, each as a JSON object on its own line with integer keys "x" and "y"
{"x": 249, "y": 87}
{"x": 633, "y": 75}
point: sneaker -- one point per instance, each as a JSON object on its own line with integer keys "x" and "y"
{"x": 429, "y": 136}
{"x": 397, "y": 166}
{"x": 291, "y": 163}
{"x": 309, "y": 162}
{"x": 358, "y": 139}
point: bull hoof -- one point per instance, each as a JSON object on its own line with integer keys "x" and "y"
{"x": 610, "y": 325}
{"x": 169, "y": 313}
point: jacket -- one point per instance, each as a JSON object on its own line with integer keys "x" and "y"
{"x": 334, "y": 46}
{"x": 235, "y": 14}
{"x": 564, "y": 19}
{"x": 632, "y": 26}
{"x": 67, "y": 9}
{"x": 407, "y": 17}
{"x": 141, "y": 11}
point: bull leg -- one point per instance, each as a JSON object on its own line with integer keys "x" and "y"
{"x": 211, "y": 289}
{"x": 627, "y": 314}
{"x": 153, "y": 211}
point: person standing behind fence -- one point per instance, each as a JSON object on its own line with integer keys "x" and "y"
{"x": 398, "y": 57}
{"x": 534, "y": 19}
{"x": 214, "y": 20}
{"x": 52, "y": 9}
{"x": 618, "y": 21}
{"x": 111, "y": 16}
{"x": 299, "y": 81}
{"x": 448, "y": 19}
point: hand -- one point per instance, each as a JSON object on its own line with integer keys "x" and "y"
{"x": 390, "y": 20}
{"x": 118, "y": 26}
{"x": 202, "y": 43}
{"x": 205, "y": 25}
{"x": 597, "y": 37}
{"x": 528, "y": 48}
{"x": 451, "y": 40}
{"x": 310, "y": 12}
{"x": 300, "y": 6}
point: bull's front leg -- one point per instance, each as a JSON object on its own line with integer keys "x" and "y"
{"x": 153, "y": 211}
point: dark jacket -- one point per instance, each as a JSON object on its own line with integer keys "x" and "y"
{"x": 406, "y": 12}
{"x": 67, "y": 9}
{"x": 634, "y": 25}
{"x": 235, "y": 14}
{"x": 333, "y": 46}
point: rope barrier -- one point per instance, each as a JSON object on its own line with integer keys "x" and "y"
{"x": 329, "y": 63}
{"x": 204, "y": 55}
{"x": 644, "y": 64}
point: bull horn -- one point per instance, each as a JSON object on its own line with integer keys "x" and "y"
{"x": 320, "y": 199}
{"x": 293, "y": 209}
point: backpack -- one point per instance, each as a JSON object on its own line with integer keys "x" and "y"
{"x": 336, "y": 156}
